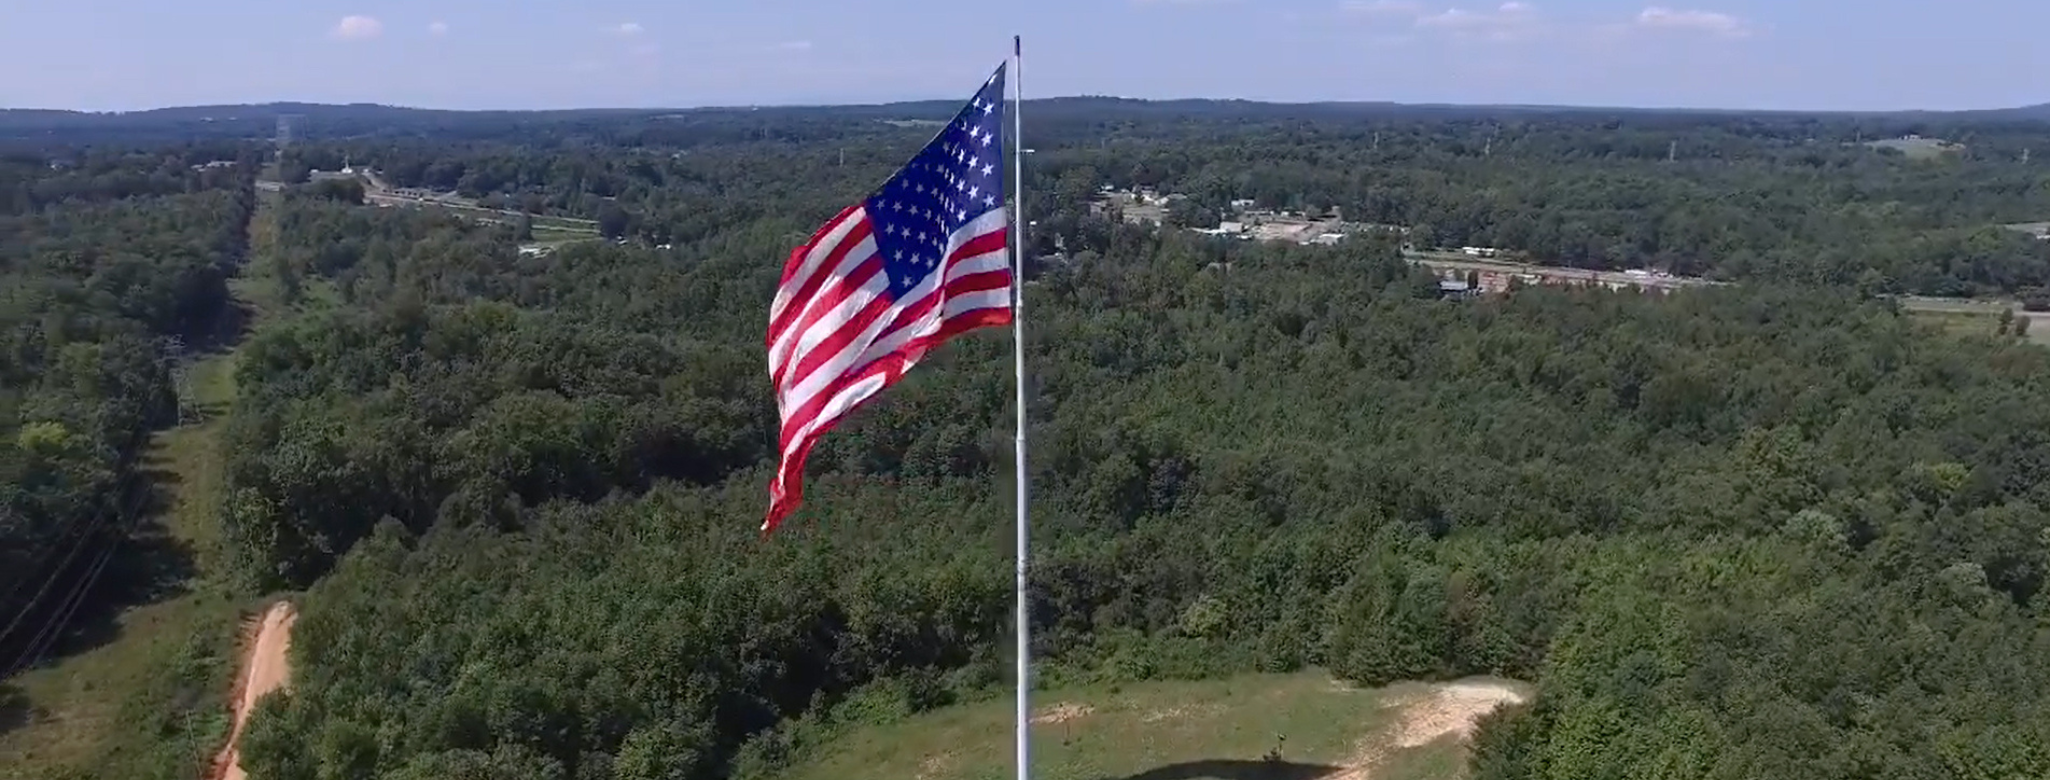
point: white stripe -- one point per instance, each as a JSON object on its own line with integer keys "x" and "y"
{"x": 987, "y": 222}
{"x": 800, "y": 389}
{"x": 784, "y": 345}
{"x": 936, "y": 316}
{"x": 818, "y": 254}
{"x": 958, "y": 305}
{"x": 797, "y": 342}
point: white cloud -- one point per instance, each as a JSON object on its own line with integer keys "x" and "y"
{"x": 629, "y": 28}
{"x": 1511, "y": 20}
{"x": 1182, "y": 2}
{"x": 437, "y": 28}
{"x": 355, "y": 28}
{"x": 1383, "y": 7}
{"x": 1657, "y": 17}
{"x": 794, "y": 46}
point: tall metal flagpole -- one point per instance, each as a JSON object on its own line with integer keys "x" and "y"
{"x": 1018, "y": 226}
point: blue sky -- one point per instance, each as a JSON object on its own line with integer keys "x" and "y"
{"x": 1821, "y": 54}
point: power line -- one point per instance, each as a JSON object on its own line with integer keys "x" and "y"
{"x": 55, "y": 575}
{"x": 54, "y": 628}
{"x": 69, "y": 606}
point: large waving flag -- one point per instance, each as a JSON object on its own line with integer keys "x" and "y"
{"x": 920, "y": 260}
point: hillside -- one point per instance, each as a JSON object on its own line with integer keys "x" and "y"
{"x": 1253, "y": 727}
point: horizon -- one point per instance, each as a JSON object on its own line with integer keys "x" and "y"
{"x": 913, "y": 101}
{"x": 465, "y": 55}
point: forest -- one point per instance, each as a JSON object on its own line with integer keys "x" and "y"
{"x": 1771, "y": 529}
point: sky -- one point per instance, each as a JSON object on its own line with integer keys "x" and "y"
{"x": 107, "y": 55}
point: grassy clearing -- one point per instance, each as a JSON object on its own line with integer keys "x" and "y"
{"x": 1220, "y": 729}
{"x": 1975, "y": 324}
{"x": 1918, "y": 148}
{"x": 138, "y": 704}
{"x": 552, "y": 235}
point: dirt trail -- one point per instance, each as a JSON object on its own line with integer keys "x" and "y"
{"x": 1451, "y": 710}
{"x": 264, "y": 669}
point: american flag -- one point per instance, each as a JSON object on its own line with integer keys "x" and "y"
{"x": 919, "y": 261}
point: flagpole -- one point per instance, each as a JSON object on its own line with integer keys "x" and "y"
{"x": 1023, "y": 616}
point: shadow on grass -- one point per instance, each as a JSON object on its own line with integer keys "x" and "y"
{"x": 1233, "y": 769}
{"x": 15, "y": 711}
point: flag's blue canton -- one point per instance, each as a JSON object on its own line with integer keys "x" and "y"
{"x": 954, "y": 179}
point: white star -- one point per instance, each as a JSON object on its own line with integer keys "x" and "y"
{"x": 986, "y": 109}
{"x": 961, "y": 215}
{"x": 908, "y": 280}
{"x": 985, "y": 138}
{"x": 920, "y": 189}
{"x": 900, "y": 255}
{"x": 974, "y": 191}
{"x": 921, "y": 237}
{"x": 890, "y": 230}
{"x": 989, "y": 200}
{"x": 986, "y": 168}
{"x": 896, "y": 205}
{"x": 960, "y": 185}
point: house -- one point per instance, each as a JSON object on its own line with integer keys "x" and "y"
{"x": 1455, "y": 289}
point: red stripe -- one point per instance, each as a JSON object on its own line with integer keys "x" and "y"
{"x": 829, "y": 300}
{"x": 977, "y": 282}
{"x": 808, "y": 361}
{"x": 993, "y": 241}
{"x": 787, "y": 492}
{"x": 811, "y": 285}
{"x": 796, "y": 260}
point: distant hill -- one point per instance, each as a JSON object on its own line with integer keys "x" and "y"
{"x": 622, "y": 125}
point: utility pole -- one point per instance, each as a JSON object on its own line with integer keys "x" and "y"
{"x": 2025, "y": 155}
{"x": 1672, "y": 151}
{"x": 1377, "y": 140}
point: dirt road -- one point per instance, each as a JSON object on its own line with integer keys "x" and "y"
{"x": 264, "y": 669}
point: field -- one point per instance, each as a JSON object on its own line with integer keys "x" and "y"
{"x": 1975, "y": 318}
{"x": 1255, "y": 727}
{"x": 1918, "y": 148}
